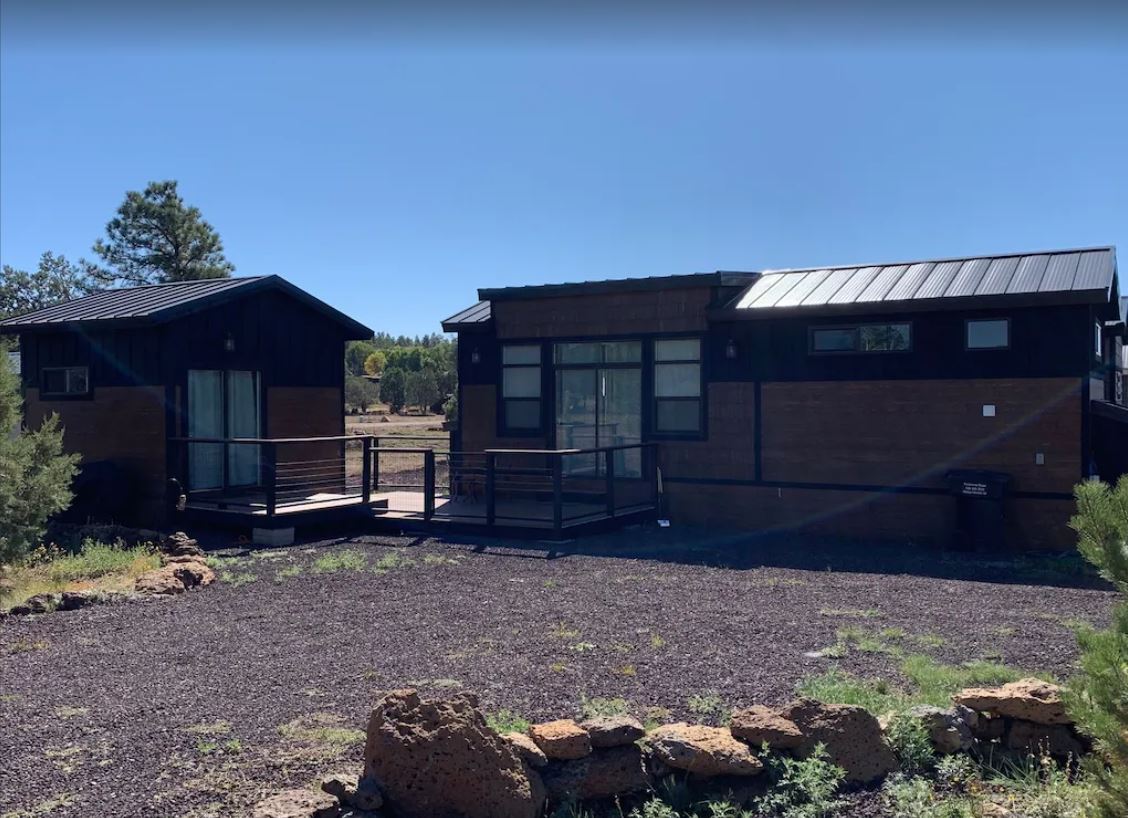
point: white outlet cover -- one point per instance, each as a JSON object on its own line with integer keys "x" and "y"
{"x": 988, "y": 410}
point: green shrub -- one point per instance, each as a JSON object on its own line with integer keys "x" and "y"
{"x": 909, "y": 797}
{"x": 597, "y": 707}
{"x": 35, "y": 475}
{"x": 1097, "y": 697}
{"x": 506, "y": 721}
{"x": 911, "y": 744}
{"x": 802, "y": 789}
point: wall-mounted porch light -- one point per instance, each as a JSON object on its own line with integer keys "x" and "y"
{"x": 229, "y": 343}
{"x": 730, "y": 349}
{"x": 475, "y": 356}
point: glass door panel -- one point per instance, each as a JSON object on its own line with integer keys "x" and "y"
{"x": 577, "y": 409}
{"x": 205, "y": 419}
{"x": 620, "y": 417}
{"x": 243, "y": 420}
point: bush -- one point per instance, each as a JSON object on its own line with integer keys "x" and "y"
{"x": 911, "y": 744}
{"x": 360, "y": 393}
{"x": 1097, "y": 698}
{"x": 802, "y": 789}
{"x": 915, "y": 798}
{"x": 35, "y": 475}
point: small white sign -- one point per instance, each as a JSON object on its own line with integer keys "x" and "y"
{"x": 988, "y": 410}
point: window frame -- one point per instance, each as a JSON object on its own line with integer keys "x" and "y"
{"x": 700, "y": 398}
{"x": 857, "y": 329}
{"x": 967, "y": 328}
{"x": 504, "y": 428}
{"x": 67, "y": 395}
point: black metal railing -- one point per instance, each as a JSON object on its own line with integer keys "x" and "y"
{"x": 540, "y": 487}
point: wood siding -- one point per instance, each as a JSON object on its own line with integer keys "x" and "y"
{"x": 305, "y": 411}
{"x": 122, "y": 424}
{"x": 655, "y": 311}
{"x": 909, "y": 433}
{"x": 730, "y": 451}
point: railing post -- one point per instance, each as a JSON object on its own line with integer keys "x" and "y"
{"x": 366, "y": 471}
{"x": 609, "y": 470}
{"x": 271, "y": 478}
{"x": 652, "y": 456}
{"x": 428, "y": 484}
{"x": 491, "y": 500}
{"x": 376, "y": 464}
{"x": 557, "y": 493}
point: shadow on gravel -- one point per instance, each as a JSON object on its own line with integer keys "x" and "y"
{"x": 735, "y": 550}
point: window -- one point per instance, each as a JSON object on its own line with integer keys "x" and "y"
{"x": 603, "y": 352}
{"x": 988, "y": 334}
{"x": 1099, "y": 347}
{"x": 521, "y": 386}
{"x": 677, "y": 386}
{"x": 68, "y": 380}
{"x": 862, "y": 338}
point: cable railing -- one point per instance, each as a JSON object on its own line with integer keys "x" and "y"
{"x": 547, "y": 488}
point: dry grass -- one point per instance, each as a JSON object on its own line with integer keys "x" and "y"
{"x": 96, "y": 566}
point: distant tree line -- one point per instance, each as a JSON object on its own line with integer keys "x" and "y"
{"x": 418, "y": 372}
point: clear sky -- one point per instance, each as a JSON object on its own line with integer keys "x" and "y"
{"x": 392, "y": 171}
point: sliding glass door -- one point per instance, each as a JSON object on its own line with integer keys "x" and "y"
{"x": 599, "y": 403}
{"x": 223, "y": 404}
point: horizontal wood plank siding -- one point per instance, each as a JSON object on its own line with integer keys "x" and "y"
{"x": 894, "y": 433}
{"x": 581, "y": 316}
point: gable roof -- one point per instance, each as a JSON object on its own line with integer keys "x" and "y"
{"x": 1085, "y": 275}
{"x": 159, "y": 303}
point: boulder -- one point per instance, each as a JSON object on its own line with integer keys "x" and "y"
{"x": 193, "y": 572}
{"x": 297, "y": 804}
{"x": 562, "y": 739}
{"x": 439, "y": 757}
{"x": 851, "y": 735}
{"x": 947, "y": 729}
{"x": 161, "y": 581}
{"x": 759, "y": 725}
{"x": 602, "y": 774}
{"x": 527, "y": 749}
{"x": 613, "y": 731}
{"x": 703, "y": 751}
{"x": 180, "y": 544}
{"x": 352, "y": 790}
{"x": 175, "y": 577}
{"x": 38, "y": 604}
{"x": 1056, "y": 740}
{"x": 1027, "y": 699}
{"x": 73, "y": 600}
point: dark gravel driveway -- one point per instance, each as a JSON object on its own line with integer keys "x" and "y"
{"x": 197, "y": 705}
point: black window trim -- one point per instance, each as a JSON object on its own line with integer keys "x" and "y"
{"x": 682, "y": 434}
{"x": 505, "y": 430}
{"x": 43, "y": 393}
{"x": 813, "y": 328}
{"x": 967, "y": 325}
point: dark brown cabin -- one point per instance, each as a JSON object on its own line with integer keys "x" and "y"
{"x": 131, "y": 372}
{"x": 936, "y": 401}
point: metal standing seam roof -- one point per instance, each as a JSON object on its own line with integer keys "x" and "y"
{"x": 480, "y": 313}
{"x": 152, "y": 303}
{"x": 1075, "y": 271}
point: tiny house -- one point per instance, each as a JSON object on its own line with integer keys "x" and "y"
{"x": 132, "y": 371}
{"x": 951, "y": 400}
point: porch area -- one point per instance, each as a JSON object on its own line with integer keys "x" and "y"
{"x": 406, "y": 482}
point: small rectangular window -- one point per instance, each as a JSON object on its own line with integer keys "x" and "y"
{"x": 1099, "y": 347}
{"x": 862, "y": 338}
{"x": 521, "y": 386}
{"x": 991, "y": 333}
{"x": 68, "y": 380}
{"x": 677, "y": 385}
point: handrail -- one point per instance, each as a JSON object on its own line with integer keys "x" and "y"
{"x": 596, "y": 450}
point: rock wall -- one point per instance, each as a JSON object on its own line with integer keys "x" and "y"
{"x": 439, "y": 757}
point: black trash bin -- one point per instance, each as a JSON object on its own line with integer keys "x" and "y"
{"x": 980, "y": 518}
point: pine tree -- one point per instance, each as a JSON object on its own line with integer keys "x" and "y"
{"x": 35, "y": 475}
{"x": 1097, "y": 698}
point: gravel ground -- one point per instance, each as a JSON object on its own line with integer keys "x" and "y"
{"x": 199, "y": 705}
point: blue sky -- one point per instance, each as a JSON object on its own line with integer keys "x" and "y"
{"x": 392, "y": 176}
